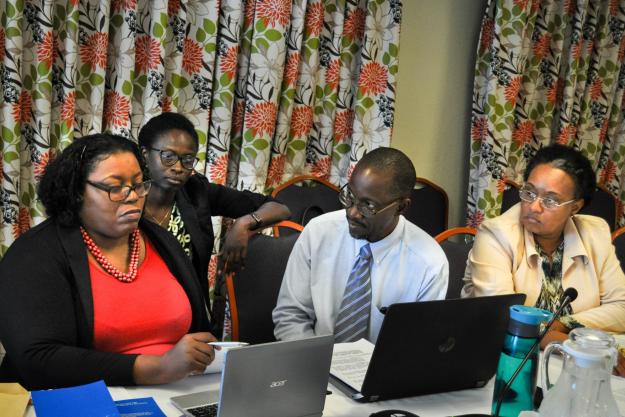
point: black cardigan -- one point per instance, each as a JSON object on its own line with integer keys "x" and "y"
{"x": 200, "y": 199}
{"x": 46, "y": 308}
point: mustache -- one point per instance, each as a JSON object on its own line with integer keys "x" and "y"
{"x": 355, "y": 220}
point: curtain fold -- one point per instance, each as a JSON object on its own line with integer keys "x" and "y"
{"x": 275, "y": 88}
{"x": 546, "y": 71}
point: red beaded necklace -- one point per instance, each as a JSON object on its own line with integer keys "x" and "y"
{"x": 135, "y": 246}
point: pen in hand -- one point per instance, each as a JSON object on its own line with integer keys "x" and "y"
{"x": 228, "y": 344}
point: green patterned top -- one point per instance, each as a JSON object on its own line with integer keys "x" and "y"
{"x": 551, "y": 291}
{"x": 176, "y": 228}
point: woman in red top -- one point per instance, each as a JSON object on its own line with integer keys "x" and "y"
{"x": 94, "y": 292}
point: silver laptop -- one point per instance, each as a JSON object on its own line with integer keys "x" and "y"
{"x": 280, "y": 379}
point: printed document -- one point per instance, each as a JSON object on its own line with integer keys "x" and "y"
{"x": 350, "y": 362}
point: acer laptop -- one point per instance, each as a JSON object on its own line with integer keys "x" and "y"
{"x": 280, "y": 379}
{"x": 435, "y": 346}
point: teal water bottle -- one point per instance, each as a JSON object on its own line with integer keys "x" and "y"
{"x": 523, "y": 331}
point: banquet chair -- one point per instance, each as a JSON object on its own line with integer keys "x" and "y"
{"x": 618, "y": 240}
{"x": 286, "y": 227}
{"x": 307, "y": 197}
{"x": 253, "y": 290}
{"x": 603, "y": 205}
{"x": 429, "y": 207}
{"x": 510, "y": 195}
{"x": 456, "y": 243}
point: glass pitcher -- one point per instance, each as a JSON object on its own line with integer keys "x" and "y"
{"x": 583, "y": 389}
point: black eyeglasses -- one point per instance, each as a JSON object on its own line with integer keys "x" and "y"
{"x": 347, "y": 199}
{"x": 169, "y": 158}
{"x": 121, "y": 193}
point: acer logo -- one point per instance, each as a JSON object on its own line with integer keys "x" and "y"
{"x": 276, "y": 384}
{"x": 447, "y": 345}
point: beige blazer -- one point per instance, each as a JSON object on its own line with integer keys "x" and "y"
{"x": 504, "y": 260}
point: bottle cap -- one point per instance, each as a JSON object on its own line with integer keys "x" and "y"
{"x": 529, "y": 315}
{"x": 589, "y": 346}
{"x": 525, "y": 321}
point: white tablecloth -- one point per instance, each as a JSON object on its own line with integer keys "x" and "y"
{"x": 339, "y": 405}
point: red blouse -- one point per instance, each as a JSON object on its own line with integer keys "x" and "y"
{"x": 146, "y": 316}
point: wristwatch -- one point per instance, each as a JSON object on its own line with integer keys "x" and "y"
{"x": 257, "y": 218}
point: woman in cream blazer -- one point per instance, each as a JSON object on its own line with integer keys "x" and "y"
{"x": 541, "y": 246}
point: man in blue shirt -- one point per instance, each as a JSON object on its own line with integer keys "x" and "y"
{"x": 348, "y": 264}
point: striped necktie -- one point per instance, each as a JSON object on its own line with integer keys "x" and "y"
{"x": 352, "y": 322}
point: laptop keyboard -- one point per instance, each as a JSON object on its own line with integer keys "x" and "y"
{"x": 209, "y": 410}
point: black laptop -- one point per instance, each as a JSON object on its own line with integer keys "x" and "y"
{"x": 435, "y": 346}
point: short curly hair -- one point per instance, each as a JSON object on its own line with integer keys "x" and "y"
{"x": 571, "y": 161}
{"x": 395, "y": 163}
{"x": 163, "y": 123}
{"x": 63, "y": 183}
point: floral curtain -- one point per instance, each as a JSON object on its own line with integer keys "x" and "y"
{"x": 276, "y": 88}
{"x": 547, "y": 71}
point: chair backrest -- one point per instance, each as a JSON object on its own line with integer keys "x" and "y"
{"x": 618, "y": 239}
{"x": 429, "y": 208}
{"x": 603, "y": 205}
{"x": 307, "y": 197}
{"x": 253, "y": 291}
{"x": 287, "y": 227}
{"x": 510, "y": 195}
{"x": 456, "y": 243}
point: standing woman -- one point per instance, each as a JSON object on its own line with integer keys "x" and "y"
{"x": 94, "y": 292}
{"x": 542, "y": 246}
{"x": 183, "y": 202}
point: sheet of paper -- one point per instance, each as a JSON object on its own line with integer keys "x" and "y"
{"x": 620, "y": 340}
{"x": 13, "y": 400}
{"x": 350, "y": 362}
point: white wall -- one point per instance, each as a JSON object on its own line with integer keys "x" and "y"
{"x": 434, "y": 92}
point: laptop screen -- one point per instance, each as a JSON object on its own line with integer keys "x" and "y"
{"x": 280, "y": 379}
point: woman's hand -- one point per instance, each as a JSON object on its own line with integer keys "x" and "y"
{"x": 234, "y": 250}
{"x": 558, "y": 332}
{"x": 191, "y": 354}
{"x": 619, "y": 369}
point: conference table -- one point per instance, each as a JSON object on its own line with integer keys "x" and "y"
{"x": 339, "y": 405}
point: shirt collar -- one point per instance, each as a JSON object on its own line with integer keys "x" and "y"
{"x": 382, "y": 247}
{"x": 573, "y": 246}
